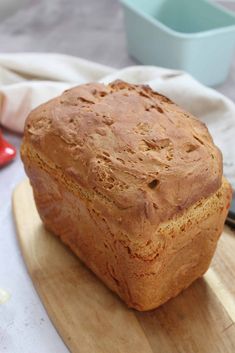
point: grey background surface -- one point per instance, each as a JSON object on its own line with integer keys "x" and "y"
{"x": 92, "y": 29}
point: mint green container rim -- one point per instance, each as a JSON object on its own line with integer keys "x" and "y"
{"x": 182, "y": 35}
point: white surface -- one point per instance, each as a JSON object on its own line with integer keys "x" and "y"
{"x": 24, "y": 325}
{"x": 97, "y": 35}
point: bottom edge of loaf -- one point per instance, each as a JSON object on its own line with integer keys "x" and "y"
{"x": 185, "y": 244}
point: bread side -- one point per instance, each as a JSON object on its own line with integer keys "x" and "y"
{"x": 144, "y": 271}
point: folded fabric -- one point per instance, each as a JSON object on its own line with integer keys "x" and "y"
{"x": 29, "y": 79}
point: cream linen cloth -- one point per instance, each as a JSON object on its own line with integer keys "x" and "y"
{"x": 29, "y": 79}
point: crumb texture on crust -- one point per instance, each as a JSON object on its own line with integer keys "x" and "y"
{"x": 133, "y": 148}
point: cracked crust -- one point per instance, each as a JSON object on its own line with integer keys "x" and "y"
{"x": 132, "y": 146}
{"x": 132, "y": 183}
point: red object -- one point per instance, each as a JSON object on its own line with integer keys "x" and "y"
{"x": 7, "y": 151}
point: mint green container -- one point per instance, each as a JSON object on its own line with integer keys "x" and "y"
{"x": 196, "y": 36}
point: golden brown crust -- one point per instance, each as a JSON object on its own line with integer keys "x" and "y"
{"x": 135, "y": 148}
{"x": 131, "y": 183}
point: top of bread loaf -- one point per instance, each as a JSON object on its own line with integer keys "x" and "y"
{"x": 134, "y": 147}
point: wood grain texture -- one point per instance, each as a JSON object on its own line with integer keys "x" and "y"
{"x": 90, "y": 318}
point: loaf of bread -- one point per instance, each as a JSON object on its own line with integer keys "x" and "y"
{"x": 131, "y": 183}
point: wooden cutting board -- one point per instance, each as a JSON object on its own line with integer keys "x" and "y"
{"x": 91, "y": 319}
